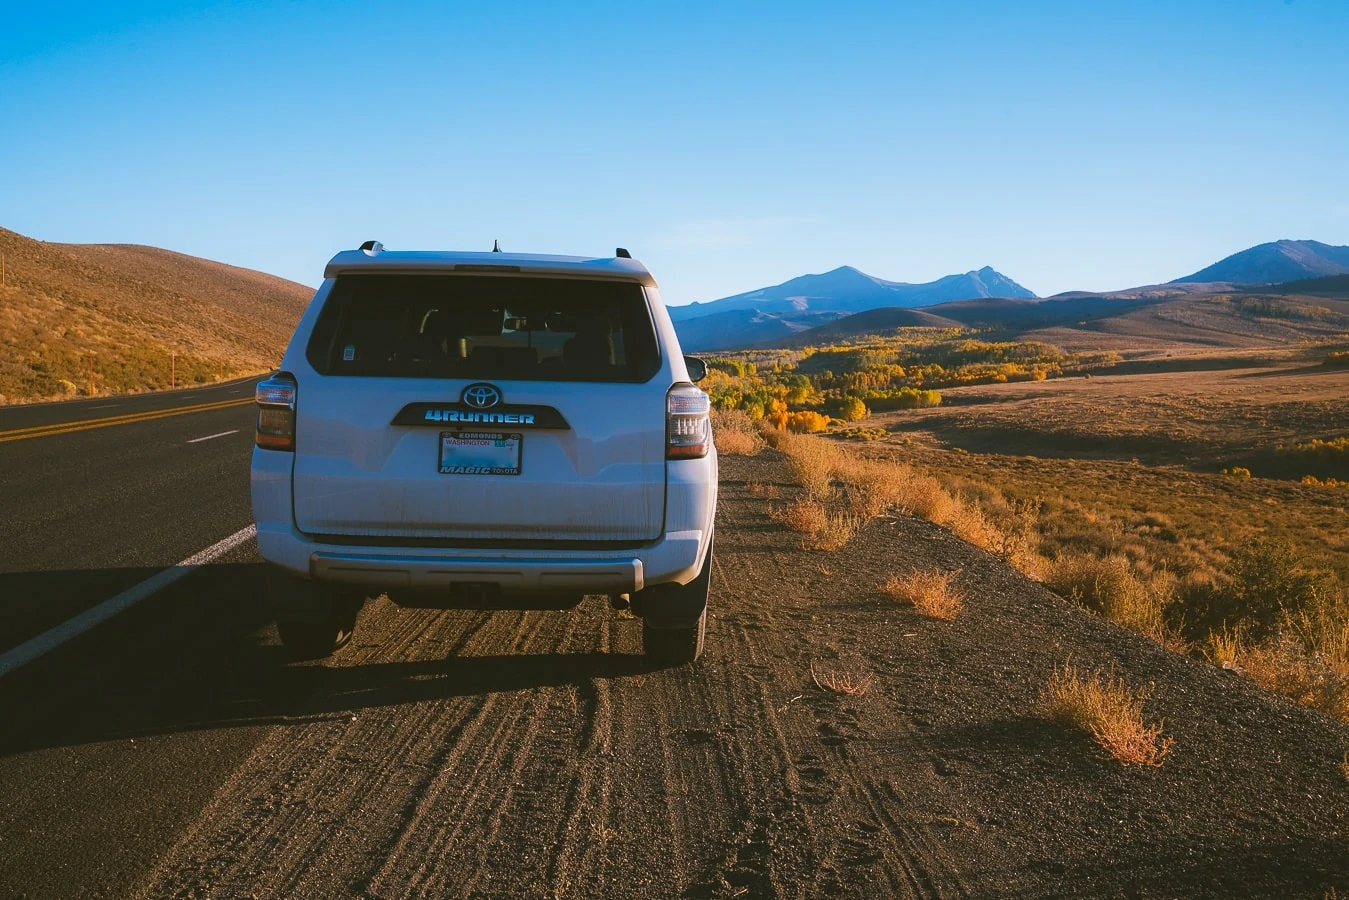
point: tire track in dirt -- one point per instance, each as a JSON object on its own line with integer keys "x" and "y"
{"x": 274, "y": 826}
{"x": 580, "y": 855}
{"x": 466, "y": 791}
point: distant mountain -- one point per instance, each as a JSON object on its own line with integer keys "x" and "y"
{"x": 846, "y": 289}
{"x": 811, "y": 300}
{"x": 1276, "y": 262}
{"x": 737, "y": 328}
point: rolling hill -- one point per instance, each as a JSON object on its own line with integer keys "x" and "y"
{"x": 1278, "y": 261}
{"x": 1269, "y": 317}
{"x": 132, "y": 307}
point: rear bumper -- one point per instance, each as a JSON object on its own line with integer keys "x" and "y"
{"x": 524, "y": 575}
{"x": 674, "y": 558}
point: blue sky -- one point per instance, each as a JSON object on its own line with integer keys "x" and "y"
{"x": 1069, "y": 145}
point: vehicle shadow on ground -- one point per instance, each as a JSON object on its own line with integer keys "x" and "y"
{"x": 202, "y": 655}
{"x": 1154, "y": 869}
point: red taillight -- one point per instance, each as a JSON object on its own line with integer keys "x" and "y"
{"x": 688, "y": 424}
{"x": 276, "y": 413}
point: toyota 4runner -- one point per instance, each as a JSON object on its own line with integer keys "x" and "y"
{"x": 485, "y": 430}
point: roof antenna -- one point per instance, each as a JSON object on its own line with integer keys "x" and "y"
{"x": 496, "y": 246}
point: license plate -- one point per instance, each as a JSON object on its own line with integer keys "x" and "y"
{"x": 479, "y": 453}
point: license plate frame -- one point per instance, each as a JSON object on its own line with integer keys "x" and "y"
{"x": 480, "y": 452}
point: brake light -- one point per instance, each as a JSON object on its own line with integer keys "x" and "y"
{"x": 688, "y": 423}
{"x": 276, "y": 413}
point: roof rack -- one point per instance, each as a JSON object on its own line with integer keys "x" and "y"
{"x": 372, "y": 246}
{"x": 622, "y": 253}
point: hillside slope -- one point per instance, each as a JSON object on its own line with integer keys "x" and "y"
{"x": 132, "y": 307}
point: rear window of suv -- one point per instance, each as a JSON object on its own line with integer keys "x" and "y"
{"x": 485, "y": 326}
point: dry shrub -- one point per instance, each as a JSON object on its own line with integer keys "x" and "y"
{"x": 813, "y": 463}
{"x": 873, "y": 487}
{"x": 1308, "y": 662}
{"x": 774, "y": 436}
{"x": 1112, "y": 587}
{"x": 1019, "y": 541}
{"x": 838, "y": 529}
{"x": 1224, "y": 647}
{"x": 931, "y": 593}
{"x": 737, "y": 443}
{"x": 734, "y": 433}
{"x": 841, "y": 682}
{"x": 1110, "y": 711}
{"x": 969, "y": 523}
{"x": 805, "y": 515}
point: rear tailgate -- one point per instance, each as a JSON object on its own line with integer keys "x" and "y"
{"x": 471, "y": 407}
{"x": 602, "y": 478}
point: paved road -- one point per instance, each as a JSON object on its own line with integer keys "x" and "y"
{"x": 88, "y": 513}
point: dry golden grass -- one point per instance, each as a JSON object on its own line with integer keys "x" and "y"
{"x": 847, "y": 683}
{"x": 767, "y": 491}
{"x": 1308, "y": 663}
{"x": 875, "y": 487}
{"x": 821, "y": 529}
{"x": 737, "y": 443}
{"x": 931, "y": 593}
{"x": 1112, "y": 586}
{"x": 735, "y": 434}
{"x": 1223, "y": 647}
{"x": 838, "y": 529}
{"x": 1110, "y": 711}
{"x": 813, "y": 462}
{"x": 804, "y": 515}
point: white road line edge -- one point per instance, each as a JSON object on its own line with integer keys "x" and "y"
{"x": 211, "y": 437}
{"x": 51, "y": 639}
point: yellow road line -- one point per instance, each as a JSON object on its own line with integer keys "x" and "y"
{"x": 19, "y": 434}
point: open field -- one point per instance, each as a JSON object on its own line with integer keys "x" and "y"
{"x": 1139, "y": 458}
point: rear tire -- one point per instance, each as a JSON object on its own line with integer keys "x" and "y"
{"x": 312, "y": 640}
{"x": 674, "y": 618}
{"x": 327, "y": 623}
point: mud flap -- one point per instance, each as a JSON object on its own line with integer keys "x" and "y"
{"x": 675, "y": 605}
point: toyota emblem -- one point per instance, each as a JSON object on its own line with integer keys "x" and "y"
{"x": 481, "y": 396}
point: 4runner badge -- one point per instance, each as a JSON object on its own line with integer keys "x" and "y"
{"x": 478, "y": 418}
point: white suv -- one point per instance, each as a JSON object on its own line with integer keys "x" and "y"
{"x": 485, "y": 430}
